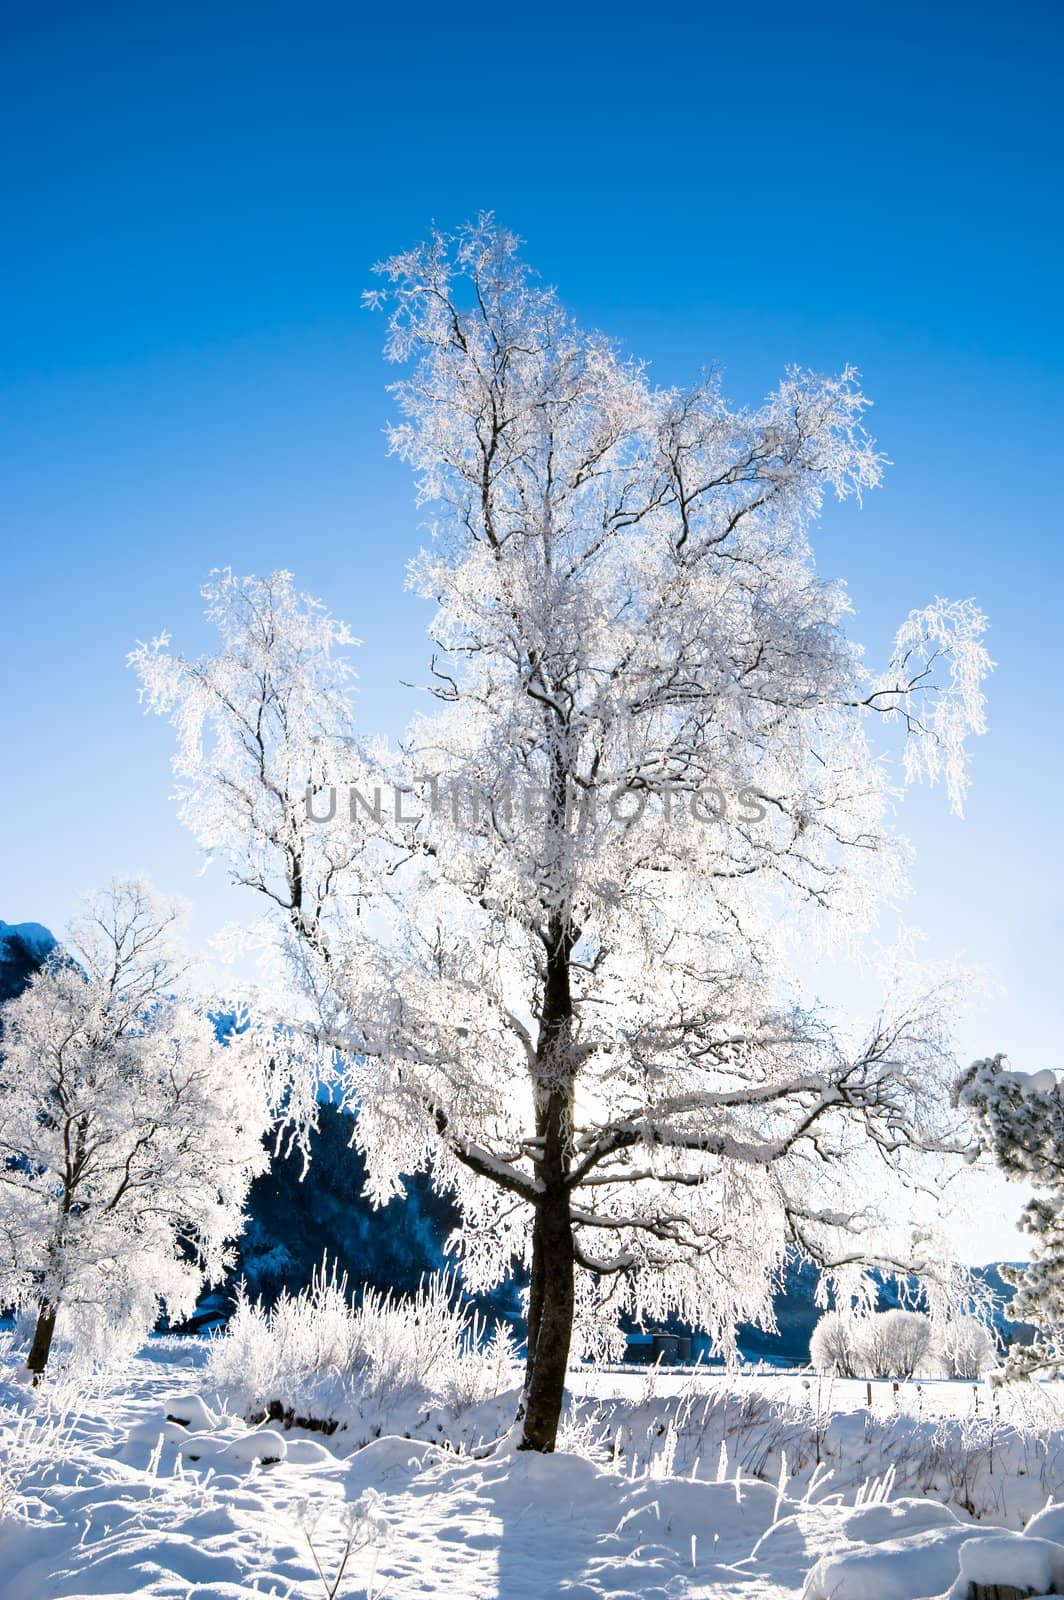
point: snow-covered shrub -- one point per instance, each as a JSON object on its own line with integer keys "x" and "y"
{"x": 997, "y": 1464}
{"x": 319, "y": 1357}
{"x": 32, "y": 1445}
{"x": 362, "y": 1527}
{"x": 481, "y": 1371}
{"x": 964, "y": 1348}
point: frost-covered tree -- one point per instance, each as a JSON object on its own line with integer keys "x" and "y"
{"x": 895, "y": 1343}
{"x": 875, "y": 1344}
{"x": 964, "y": 1348}
{"x": 834, "y": 1345}
{"x": 858, "y": 1343}
{"x": 1020, "y": 1119}
{"x": 560, "y": 986}
{"x": 128, "y": 1133}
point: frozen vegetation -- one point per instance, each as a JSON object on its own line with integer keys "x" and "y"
{"x": 901, "y": 1344}
{"x": 556, "y": 979}
{"x": 556, "y": 984}
{"x": 318, "y": 1358}
{"x": 166, "y": 1482}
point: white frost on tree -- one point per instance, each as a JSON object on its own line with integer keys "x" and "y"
{"x": 858, "y": 1343}
{"x": 896, "y": 1343}
{"x": 835, "y": 1345}
{"x": 964, "y": 1348}
{"x": 128, "y": 1134}
{"x": 653, "y": 749}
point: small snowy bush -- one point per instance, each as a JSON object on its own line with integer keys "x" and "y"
{"x": 999, "y": 1463}
{"x": 319, "y": 1357}
{"x": 33, "y": 1443}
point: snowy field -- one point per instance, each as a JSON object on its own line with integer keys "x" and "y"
{"x": 670, "y": 1484}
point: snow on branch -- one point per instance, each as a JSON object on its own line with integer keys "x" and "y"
{"x": 939, "y": 713}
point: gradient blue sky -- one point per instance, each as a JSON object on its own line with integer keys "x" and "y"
{"x": 192, "y": 198}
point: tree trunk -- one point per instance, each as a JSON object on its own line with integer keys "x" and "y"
{"x": 550, "y": 1334}
{"x": 41, "y": 1347}
{"x": 535, "y": 1303}
{"x": 551, "y": 1291}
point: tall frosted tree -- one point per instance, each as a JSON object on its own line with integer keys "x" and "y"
{"x": 129, "y": 1134}
{"x": 652, "y": 750}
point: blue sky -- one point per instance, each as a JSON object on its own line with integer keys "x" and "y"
{"x": 193, "y": 198}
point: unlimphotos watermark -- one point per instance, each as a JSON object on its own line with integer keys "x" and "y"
{"x": 467, "y": 804}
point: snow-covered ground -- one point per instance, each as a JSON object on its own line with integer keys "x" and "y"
{"x": 676, "y": 1485}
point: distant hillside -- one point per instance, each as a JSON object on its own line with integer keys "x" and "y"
{"x": 23, "y": 947}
